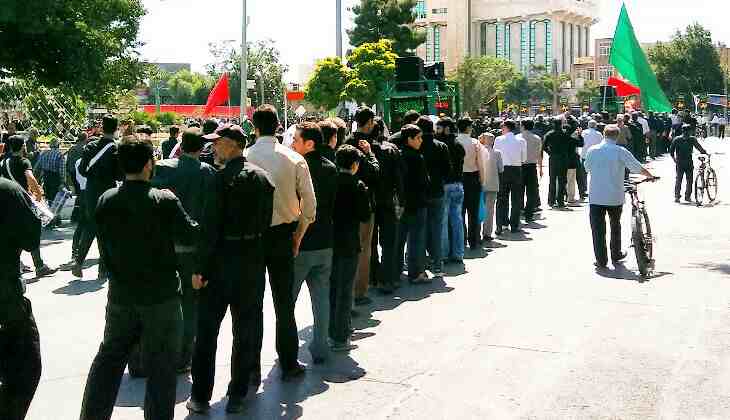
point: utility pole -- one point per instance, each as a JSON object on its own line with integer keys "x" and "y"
{"x": 244, "y": 65}
{"x": 338, "y": 24}
{"x": 724, "y": 74}
{"x": 556, "y": 87}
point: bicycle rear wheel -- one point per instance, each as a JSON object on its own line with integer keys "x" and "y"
{"x": 711, "y": 185}
{"x": 638, "y": 240}
{"x": 700, "y": 188}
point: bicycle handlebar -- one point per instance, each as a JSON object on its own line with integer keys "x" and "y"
{"x": 632, "y": 182}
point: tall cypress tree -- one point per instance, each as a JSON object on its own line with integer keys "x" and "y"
{"x": 387, "y": 19}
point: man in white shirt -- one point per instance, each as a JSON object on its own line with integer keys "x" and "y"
{"x": 509, "y": 200}
{"x": 721, "y": 126}
{"x": 294, "y": 210}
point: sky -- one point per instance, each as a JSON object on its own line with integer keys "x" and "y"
{"x": 180, "y": 30}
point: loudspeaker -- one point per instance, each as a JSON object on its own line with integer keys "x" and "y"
{"x": 408, "y": 69}
{"x": 608, "y": 91}
{"x": 434, "y": 71}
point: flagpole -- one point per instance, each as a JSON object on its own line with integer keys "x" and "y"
{"x": 244, "y": 65}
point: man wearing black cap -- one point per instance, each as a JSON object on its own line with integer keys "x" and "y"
{"x": 144, "y": 289}
{"x": 194, "y": 184}
{"x": 681, "y": 152}
{"x": 236, "y": 274}
{"x": 293, "y": 211}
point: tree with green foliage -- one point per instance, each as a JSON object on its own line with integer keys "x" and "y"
{"x": 373, "y": 67}
{"x": 84, "y": 47}
{"x": 386, "y": 19}
{"x": 591, "y": 89}
{"x": 186, "y": 87}
{"x": 327, "y": 82}
{"x": 264, "y": 66}
{"x": 688, "y": 64}
{"x": 482, "y": 79}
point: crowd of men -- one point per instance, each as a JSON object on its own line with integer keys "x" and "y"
{"x": 184, "y": 239}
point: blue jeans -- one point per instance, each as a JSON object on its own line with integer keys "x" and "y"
{"x": 315, "y": 267}
{"x": 452, "y": 233}
{"x": 434, "y": 227}
{"x": 413, "y": 231}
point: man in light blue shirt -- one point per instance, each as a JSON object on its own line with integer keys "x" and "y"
{"x": 607, "y": 162}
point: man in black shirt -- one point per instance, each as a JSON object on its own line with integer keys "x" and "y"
{"x": 100, "y": 167}
{"x": 438, "y": 162}
{"x": 369, "y": 173}
{"x": 18, "y": 169}
{"x": 194, "y": 184}
{"x": 169, "y": 144}
{"x": 237, "y": 274}
{"x": 20, "y": 369}
{"x": 561, "y": 148}
{"x": 681, "y": 152}
{"x": 413, "y": 222}
{"x": 314, "y": 262}
{"x": 138, "y": 227}
{"x": 453, "y": 222}
{"x": 388, "y": 210}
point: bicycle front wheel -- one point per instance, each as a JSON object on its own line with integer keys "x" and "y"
{"x": 700, "y": 188}
{"x": 711, "y": 185}
{"x": 638, "y": 240}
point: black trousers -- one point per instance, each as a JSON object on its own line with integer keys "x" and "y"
{"x": 470, "y": 209}
{"x": 341, "y": 292}
{"x": 20, "y": 363}
{"x": 385, "y": 269}
{"x": 81, "y": 224}
{"x": 159, "y": 328}
{"x": 598, "y": 228}
{"x": 51, "y": 185}
{"x": 89, "y": 233}
{"x": 532, "y": 188}
{"x": 279, "y": 260}
{"x": 688, "y": 172}
{"x": 558, "y": 173}
{"x": 581, "y": 178}
{"x": 238, "y": 284}
{"x": 509, "y": 199}
{"x": 722, "y": 132}
{"x": 189, "y": 302}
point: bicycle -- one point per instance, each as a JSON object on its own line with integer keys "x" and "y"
{"x": 705, "y": 182}
{"x": 641, "y": 237}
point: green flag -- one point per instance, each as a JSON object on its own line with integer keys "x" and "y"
{"x": 630, "y": 61}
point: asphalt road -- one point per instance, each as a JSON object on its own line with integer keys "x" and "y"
{"x": 530, "y": 331}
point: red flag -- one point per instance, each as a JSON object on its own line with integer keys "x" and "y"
{"x": 218, "y": 96}
{"x": 623, "y": 88}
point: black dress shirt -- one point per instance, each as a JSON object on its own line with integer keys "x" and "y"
{"x": 456, "y": 154}
{"x": 21, "y": 230}
{"x": 369, "y": 171}
{"x": 324, "y": 179}
{"x": 391, "y": 187}
{"x": 105, "y": 172}
{"x": 681, "y": 150}
{"x": 438, "y": 162}
{"x": 138, "y": 227}
{"x": 352, "y": 207}
{"x": 417, "y": 180}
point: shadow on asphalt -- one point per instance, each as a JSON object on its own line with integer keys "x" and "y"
{"x": 620, "y": 272}
{"x": 80, "y": 287}
{"x": 514, "y": 237}
{"x": 57, "y": 235}
{"x": 718, "y": 268}
{"x": 132, "y": 391}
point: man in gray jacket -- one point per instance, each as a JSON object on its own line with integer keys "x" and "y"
{"x": 194, "y": 184}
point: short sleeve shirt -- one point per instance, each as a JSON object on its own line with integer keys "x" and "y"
{"x": 606, "y": 164}
{"x": 18, "y": 165}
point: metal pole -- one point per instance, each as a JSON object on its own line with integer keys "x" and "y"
{"x": 244, "y": 65}
{"x": 286, "y": 113}
{"x": 338, "y": 24}
{"x": 261, "y": 88}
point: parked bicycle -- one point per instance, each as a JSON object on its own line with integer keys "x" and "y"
{"x": 705, "y": 182}
{"x": 641, "y": 237}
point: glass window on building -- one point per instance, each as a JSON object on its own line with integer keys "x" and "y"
{"x": 436, "y": 43}
{"x": 420, "y": 9}
{"x": 441, "y": 11}
{"x": 429, "y": 43}
{"x": 604, "y": 72}
{"x": 604, "y": 50}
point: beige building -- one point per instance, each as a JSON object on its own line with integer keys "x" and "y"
{"x": 525, "y": 32}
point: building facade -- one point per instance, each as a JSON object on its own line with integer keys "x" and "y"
{"x": 526, "y": 32}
